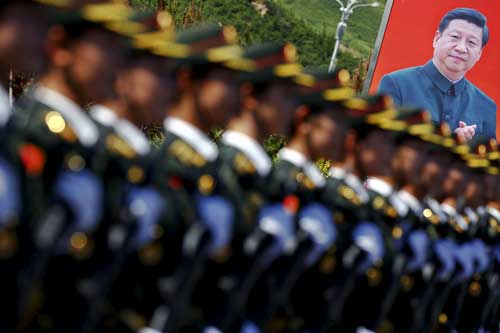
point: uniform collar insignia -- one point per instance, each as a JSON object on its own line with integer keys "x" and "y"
{"x": 493, "y": 212}
{"x": 450, "y": 210}
{"x": 378, "y": 185}
{"x": 84, "y": 128}
{"x": 125, "y": 129}
{"x": 193, "y": 136}
{"x": 351, "y": 180}
{"x": 410, "y": 200}
{"x": 251, "y": 148}
{"x": 299, "y": 160}
{"x": 436, "y": 208}
{"x": 103, "y": 115}
{"x": 386, "y": 190}
{"x": 337, "y": 173}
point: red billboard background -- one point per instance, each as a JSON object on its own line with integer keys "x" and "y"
{"x": 408, "y": 41}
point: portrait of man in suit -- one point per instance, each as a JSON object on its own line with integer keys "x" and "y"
{"x": 440, "y": 85}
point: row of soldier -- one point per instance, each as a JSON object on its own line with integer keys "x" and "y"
{"x": 102, "y": 232}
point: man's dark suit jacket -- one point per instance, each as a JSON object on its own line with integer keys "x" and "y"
{"x": 425, "y": 87}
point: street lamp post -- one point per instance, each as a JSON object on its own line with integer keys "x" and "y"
{"x": 346, "y": 11}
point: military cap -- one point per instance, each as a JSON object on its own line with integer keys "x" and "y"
{"x": 321, "y": 89}
{"x": 265, "y": 62}
{"x": 406, "y": 120}
{"x": 144, "y": 30}
{"x": 478, "y": 147}
{"x": 478, "y": 156}
{"x": 152, "y": 30}
{"x": 315, "y": 81}
{"x": 206, "y": 44}
{"x": 116, "y": 17}
{"x": 368, "y": 110}
{"x": 493, "y": 153}
{"x": 356, "y": 111}
{"x": 440, "y": 138}
{"x": 366, "y": 104}
{"x": 145, "y": 26}
{"x": 326, "y": 99}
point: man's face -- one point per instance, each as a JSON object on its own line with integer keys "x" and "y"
{"x": 23, "y": 32}
{"x": 433, "y": 172}
{"x": 408, "y": 161}
{"x": 218, "y": 97}
{"x": 147, "y": 86}
{"x": 96, "y": 60}
{"x": 327, "y": 138}
{"x": 457, "y": 48}
{"x": 454, "y": 182}
{"x": 473, "y": 193}
{"x": 375, "y": 153}
{"x": 276, "y": 109}
{"x": 490, "y": 187}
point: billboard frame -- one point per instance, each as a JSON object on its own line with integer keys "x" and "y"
{"x": 376, "y": 50}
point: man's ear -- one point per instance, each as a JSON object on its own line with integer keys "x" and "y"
{"x": 184, "y": 79}
{"x": 122, "y": 85}
{"x": 58, "y": 54}
{"x": 437, "y": 35}
{"x": 247, "y": 98}
{"x": 479, "y": 55}
{"x": 300, "y": 121}
{"x": 350, "y": 141}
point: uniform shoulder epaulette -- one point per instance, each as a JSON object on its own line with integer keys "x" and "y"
{"x": 185, "y": 154}
{"x": 242, "y": 164}
{"x": 57, "y": 125}
{"x": 65, "y": 118}
{"x": 117, "y": 145}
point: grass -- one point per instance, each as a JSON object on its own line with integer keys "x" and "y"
{"x": 324, "y": 15}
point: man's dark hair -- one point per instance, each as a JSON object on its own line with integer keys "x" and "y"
{"x": 470, "y": 15}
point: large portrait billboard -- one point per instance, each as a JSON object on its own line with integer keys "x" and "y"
{"x": 409, "y": 36}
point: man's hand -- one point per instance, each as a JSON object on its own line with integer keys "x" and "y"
{"x": 466, "y": 131}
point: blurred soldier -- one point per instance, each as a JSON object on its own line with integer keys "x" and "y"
{"x": 375, "y": 149}
{"x": 134, "y": 207}
{"x": 473, "y": 246}
{"x": 206, "y": 98}
{"x": 23, "y": 29}
{"x": 266, "y": 110}
{"x": 244, "y": 169}
{"x": 295, "y": 189}
{"x": 123, "y": 159}
{"x": 411, "y": 167}
{"x": 60, "y": 140}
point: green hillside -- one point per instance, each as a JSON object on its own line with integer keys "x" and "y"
{"x": 310, "y": 24}
{"x": 323, "y": 15}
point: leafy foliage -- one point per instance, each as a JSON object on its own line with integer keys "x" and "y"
{"x": 309, "y": 24}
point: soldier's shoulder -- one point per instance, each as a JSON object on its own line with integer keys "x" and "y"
{"x": 175, "y": 148}
{"x": 237, "y": 160}
{"x": 409, "y": 73}
{"x": 485, "y": 101}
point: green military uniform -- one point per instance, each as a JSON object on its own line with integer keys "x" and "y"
{"x": 244, "y": 168}
{"x": 64, "y": 140}
{"x": 186, "y": 167}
